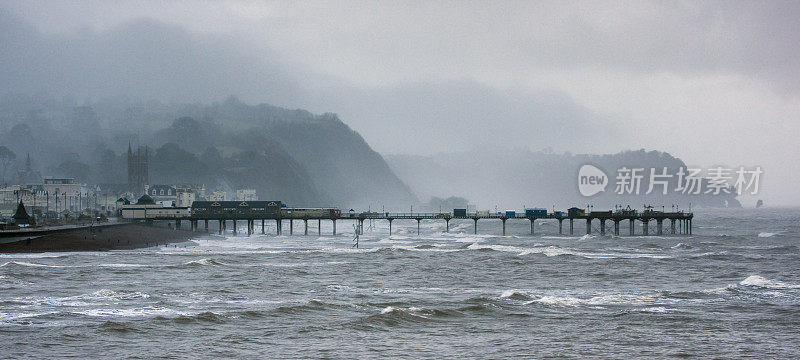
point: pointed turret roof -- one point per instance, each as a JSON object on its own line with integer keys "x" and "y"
{"x": 21, "y": 216}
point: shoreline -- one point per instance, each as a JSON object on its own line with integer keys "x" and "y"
{"x": 100, "y": 238}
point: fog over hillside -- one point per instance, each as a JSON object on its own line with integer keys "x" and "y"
{"x": 290, "y": 155}
{"x": 545, "y": 179}
{"x": 440, "y": 79}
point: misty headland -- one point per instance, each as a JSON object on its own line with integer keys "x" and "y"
{"x": 304, "y": 159}
{"x": 73, "y": 101}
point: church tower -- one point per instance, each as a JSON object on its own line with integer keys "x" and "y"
{"x": 138, "y": 175}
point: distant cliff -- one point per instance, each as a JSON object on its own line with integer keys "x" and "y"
{"x": 543, "y": 179}
{"x": 295, "y": 156}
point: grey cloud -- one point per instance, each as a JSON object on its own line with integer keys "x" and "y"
{"x": 147, "y": 59}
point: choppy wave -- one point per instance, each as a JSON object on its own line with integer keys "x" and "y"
{"x": 515, "y": 294}
{"x": 145, "y": 311}
{"x": 204, "y": 262}
{"x": 23, "y": 263}
{"x": 762, "y": 282}
{"x": 121, "y": 265}
{"x": 548, "y": 251}
{"x": 613, "y": 299}
{"x": 205, "y": 316}
{"x": 96, "y": 298}
{"x": 682, "y": 246}
{"x": 398, "y": 316}
{"x": 766, "y": 234}
{"x": 118, "y": 327}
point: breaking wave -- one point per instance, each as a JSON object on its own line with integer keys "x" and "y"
{"x": 515, "y": 294}
{"x": 762, "y": 282}
{"x": 616, "y": 299}
{"x": 548, "y": 251}
{"x": 23, "y": 263}
{"x": 204, "y": 262}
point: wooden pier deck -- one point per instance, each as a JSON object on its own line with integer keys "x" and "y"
{"x": 679, "y": 223}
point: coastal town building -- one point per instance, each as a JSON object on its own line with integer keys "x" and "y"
{"x": 62, "y": 193}
{"x": 185, "y": 197}
{"x": 147, "y": 208}
{"x": 27, "y": 174}
{"x": 162, "y": 193}
{"x": 217, "y": 195}
{"x": 138, "y": 165}
{"x": 246, "y": 195}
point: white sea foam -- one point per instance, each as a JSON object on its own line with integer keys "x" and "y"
{"x": 115, "y": 265}
{"x": 430, "y": 248}
{"x": 514, "y": 293}
{"x": 23, "y": 263}
{"x": 762, "y": 282}
{"x": 469, "y": 239}
{"x": 613, "y": 299}
{"x": 146, "y": 311}
{"x": 547, "y": 251}
{"x": 99, "y": 297}
{"x": 654, "y": 310}
{"x": 392, "y": 309}
{"x": 504, "y": 248}
{"x": 11, "y": 317}
{"x": 766, "y": 234}
{"x": 204, "y": 262}
{"x": 558, "y": 301}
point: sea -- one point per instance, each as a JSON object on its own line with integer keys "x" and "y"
{"x": 730, "y": 290}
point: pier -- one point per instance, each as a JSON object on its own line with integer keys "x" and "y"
{"x": 256, "y": 215}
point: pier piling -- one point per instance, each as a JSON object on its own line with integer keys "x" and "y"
{"x": 680, "y": 222}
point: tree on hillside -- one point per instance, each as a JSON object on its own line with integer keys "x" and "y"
{"x": 7, "y": 157}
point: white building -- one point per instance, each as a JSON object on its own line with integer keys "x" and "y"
{"x": 185, "y": 197}
{"x": 246, "y": 195}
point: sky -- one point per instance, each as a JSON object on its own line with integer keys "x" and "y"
{"x": 711, "y": 82}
